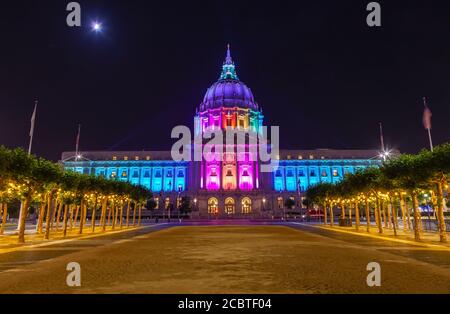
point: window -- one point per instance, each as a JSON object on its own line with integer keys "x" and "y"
{"x": 114, "y": 158}
{"x": 335, "y": 173}
{"x": 311, "y": 156}
{"x": 125, "y": 158}
{"x": 280, "y": 202}
{"x": 146, "y": 174}
{"x": 300, "y": 157}
{"x": 288, "y": 157}
{"x": 124, "y": 174}
{"x": 136, "y": 157}
{"x": 113, "y": 174}
{"x": 178, "y": 202}
{"x": 213, "y": 206}
{"x": 229, "y": 206}
{"x": 312, "y": 173}
{"x": 301, "y": 173}
{"x": 289, "y": 173}
{"x": 180, "y": 174}
{"x": 148, "y": 158}
{"x": 246, "y": 205}
{"x": 135, "y": 174}
{"x": 324, "y": 173}
{"x": 167, "y": 203}
{"x": 156, "y": 199}
{"x": 278, "y": 173}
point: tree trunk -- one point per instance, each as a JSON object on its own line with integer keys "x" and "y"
{"x": 50, "y": 212}
{"x": 378, "y": 214}
{"x": 23, "y": 218}
{"x": 417, "y": 217}
{"x": 134, "y": 214}
{"x": 128, "y": 214}
{"x": 403, "y": 209}
{"x": 357, "y": 215}
{"x": 52, "y": 219}
{"x": 110, "y": 209}
{"x": 391, "y": 210}
{"x": 383, "y": 214}
{"x": 388, "y": 214}
{"x": 4, "y": 217}
{"x": 114, "y": 216}
{"x": 77, "y": 210}
{"x": 104, "y": 209}
{"x": 41, "y": 217}
{"x": 331, "y": 215}
{"x": 408, "y": 216}
{"x": 367, "y": 216}
{"x": 139, "y": 219}
{"x": 121, "y": 216}
{"x": 71, "y": 217}
{"x": 66, "y": 207}
{"x": 440, "y": 213}
{"x": 93, "y": 216}
{"x": 82, "y": 216}
{"x": 325, "y": 213}
{"x": 342, "y": 210}
{"x": 58, "y": 215}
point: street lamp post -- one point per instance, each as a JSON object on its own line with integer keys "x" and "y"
{"x": 195, "y": 204}
{"x": 179, "y": 201}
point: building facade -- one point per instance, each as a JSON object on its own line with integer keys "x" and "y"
{"x": 226, "y": 182}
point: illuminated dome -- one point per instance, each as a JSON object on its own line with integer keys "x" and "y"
{"x": 228, "y": 91}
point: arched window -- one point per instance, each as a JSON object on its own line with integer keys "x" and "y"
{"x": 246, "y": 205}
{"x": 229, "y": 206}
{"x": 280, "y": 202}
{"x": 166, "y": 203}
{"x": 213, "y": 206}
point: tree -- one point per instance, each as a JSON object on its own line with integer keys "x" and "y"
{"x": 185, "y": 205}
{"x": 407, "y": 171}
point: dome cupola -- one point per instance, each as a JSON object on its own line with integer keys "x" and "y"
{"x": 228, "y": 91}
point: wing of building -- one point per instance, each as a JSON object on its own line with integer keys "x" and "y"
{"x": 232, "y": 185}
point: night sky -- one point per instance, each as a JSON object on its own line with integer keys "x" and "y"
{"x": 315, "y": 67}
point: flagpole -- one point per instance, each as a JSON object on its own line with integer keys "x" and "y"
{"x": 382, "y": 142}
{"x": 77, "y": 144}
{"x": 427, "y": 121}
{"x": 33, "y": 117}
{"x": 431, "y": 141}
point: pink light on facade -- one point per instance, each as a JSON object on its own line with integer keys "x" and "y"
{"x": 246, "y": 177}
{"x": 212, "y": 177}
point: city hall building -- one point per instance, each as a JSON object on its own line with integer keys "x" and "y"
{"x": 232, "y": 186}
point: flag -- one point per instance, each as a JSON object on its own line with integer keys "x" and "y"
{"x": 33, "y": 119}
{"x": 426, "y": 116}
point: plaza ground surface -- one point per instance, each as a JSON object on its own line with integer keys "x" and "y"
{"x": 226, "y": 258}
